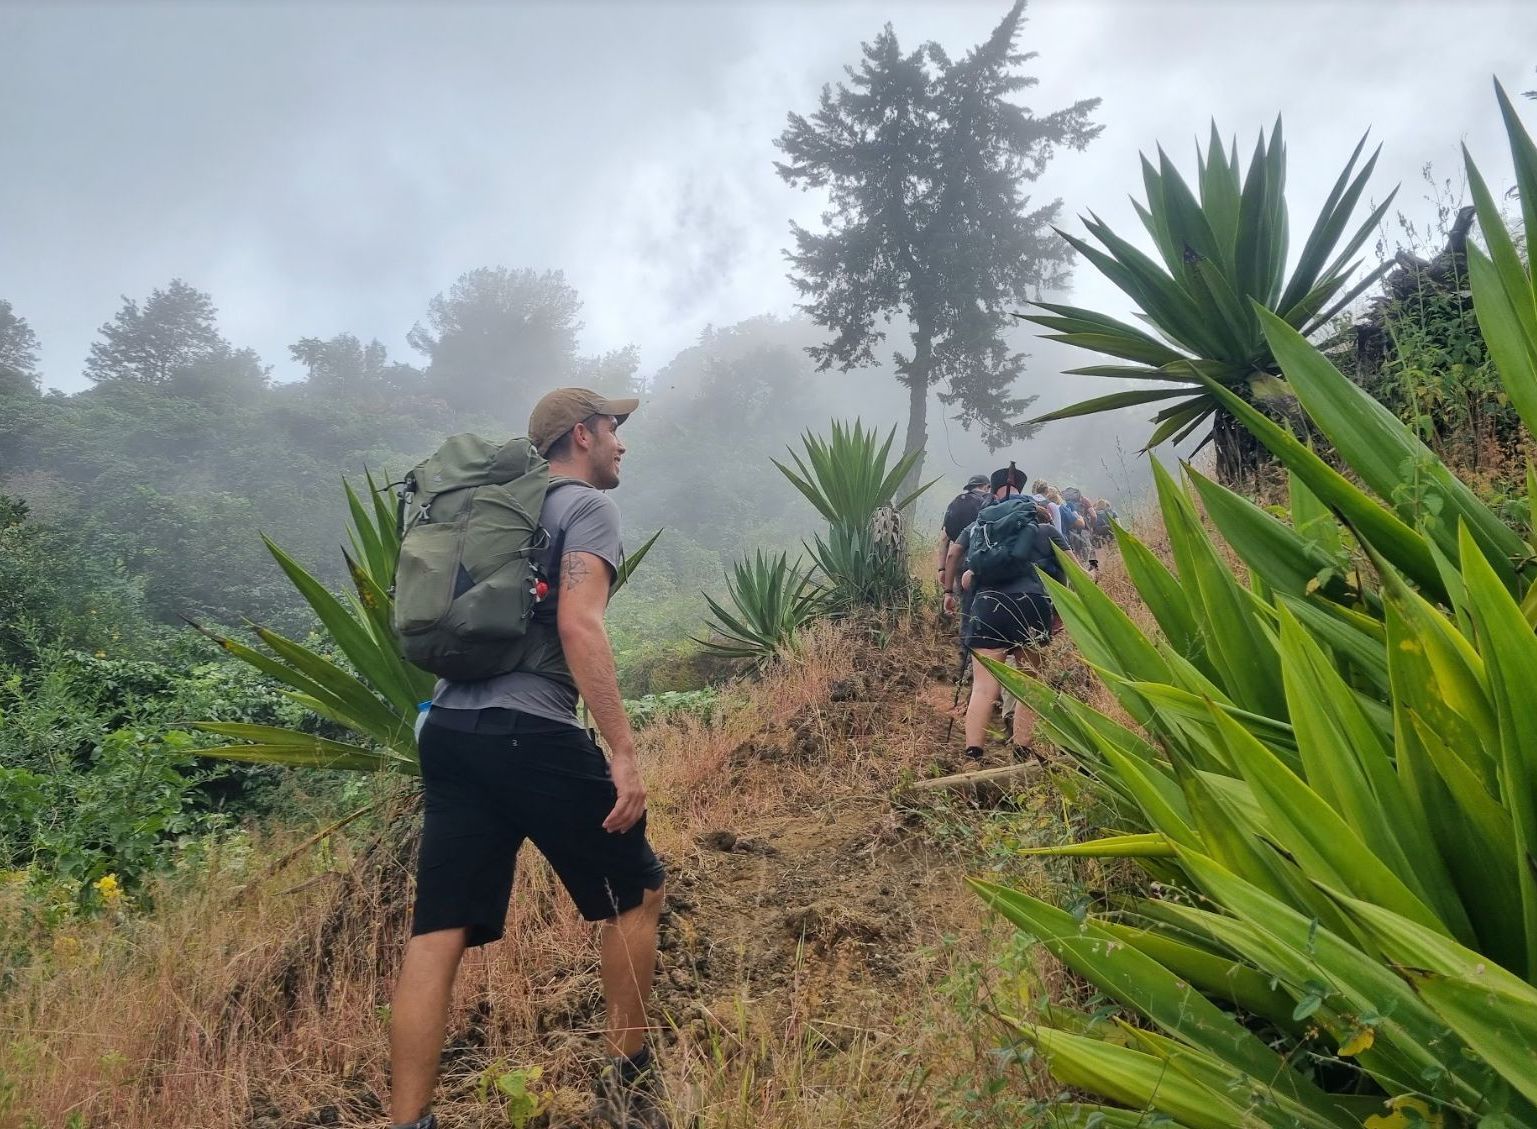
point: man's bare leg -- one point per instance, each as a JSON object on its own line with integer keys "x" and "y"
{"x": 629, "y": 962}
{"x": 984, "y": 692}
{"x": 1024, "y": 717}
{"x": 418, "y": 1019}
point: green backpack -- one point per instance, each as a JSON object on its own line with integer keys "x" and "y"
{"x": 470, "y": 575}
{"x": 1002, "y": 544}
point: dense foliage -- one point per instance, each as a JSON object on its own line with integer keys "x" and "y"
{"x": 1331, "y": 778}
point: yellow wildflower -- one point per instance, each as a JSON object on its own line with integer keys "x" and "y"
{"x": 1362, "y": 1040}
{"x": 107, "y": 886}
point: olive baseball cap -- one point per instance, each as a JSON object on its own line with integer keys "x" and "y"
{"x": 561, "y": 410}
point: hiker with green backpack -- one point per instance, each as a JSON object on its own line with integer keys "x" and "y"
{"x": 507, "y": 558}
{"x": 1001, "y": 557}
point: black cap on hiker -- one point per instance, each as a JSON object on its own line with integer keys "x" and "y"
{"x": 1008, "y": 476}
{"x": 976, "y": 480}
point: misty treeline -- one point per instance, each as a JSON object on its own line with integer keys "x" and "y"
{"x": 148, "y": 490}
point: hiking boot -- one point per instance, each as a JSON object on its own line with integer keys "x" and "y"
{"x": 426, "y": 1121}
{"x": 626, "y": 1095}
{"x": 975, "y": 753}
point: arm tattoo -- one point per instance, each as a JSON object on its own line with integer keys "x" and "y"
{"x": 573, "y": 570}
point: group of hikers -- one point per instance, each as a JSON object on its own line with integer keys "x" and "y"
{"x": 997, "y": 542}
{"x": 508, "y": 556}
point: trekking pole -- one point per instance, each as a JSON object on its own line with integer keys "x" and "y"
{"x": 955, "y": 702}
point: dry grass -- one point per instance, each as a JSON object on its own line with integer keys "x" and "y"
{"x": 819, "y": 974}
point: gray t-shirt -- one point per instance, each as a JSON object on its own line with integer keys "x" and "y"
{"x": 579, "y": 519}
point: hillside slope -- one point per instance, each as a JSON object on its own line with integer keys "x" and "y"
{"x": 821, "y": 959}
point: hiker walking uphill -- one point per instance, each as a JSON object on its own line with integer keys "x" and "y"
{"x": 1002, "y": 555}
{"x": 503, "y": 756}
{"x": 959, "y": 514}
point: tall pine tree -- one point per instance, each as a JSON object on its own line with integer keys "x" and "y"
{"x": 925, "y": 161}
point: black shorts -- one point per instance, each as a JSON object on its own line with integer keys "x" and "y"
{"x": 1000, "y": 621}
{"x": 492, "y": 778}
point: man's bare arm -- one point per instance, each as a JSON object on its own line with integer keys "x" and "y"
{"x": 952, "y": 565}
{"x": 584, "y": 581}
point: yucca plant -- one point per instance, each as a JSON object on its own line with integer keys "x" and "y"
{"x": 1333, "y": 777}
{"x": 372, "y": 692}
{"x": 771, "y": 599}
{"x": 1223, "y": 249}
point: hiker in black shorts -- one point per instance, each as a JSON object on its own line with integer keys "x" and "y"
{"x": 1010, "y": 613}
{"x": 504, "y": 759}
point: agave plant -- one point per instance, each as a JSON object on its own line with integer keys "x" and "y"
{"x": 368, "y": 689}
{"x": 861, "y": 569}
{"x": 1224, "y": 258}
{"x": 846, "y": 478}
{"x": 1332, "y": 775}
{"x": 771, "y": 599}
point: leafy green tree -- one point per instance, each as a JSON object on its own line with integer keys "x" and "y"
{"x": 223, "y": 378}
{"x": 56, "y": 590}
{"x": 150, "y": 344}
{"x": 925, "y": 161}
{"x": 343, "y": 365}
{"x": 18, "y": 352}
{"x": 500, "y": 338}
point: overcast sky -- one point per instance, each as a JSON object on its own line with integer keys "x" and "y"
{"x": 325, "y": 168}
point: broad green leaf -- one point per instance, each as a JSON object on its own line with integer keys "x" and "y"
{"x": 1243, "y": 657}
{"x": 1302, "y": 824}
{"x": 1137, "y": 980}
{"x": 1389, "y": 457}
{"x": 1510, "y": 649}
{"x": 1151, "y": 845}
{"x": 274, "y": 745}
{"x": 1270, "y": 934}
{"x": 1346, "y": 761}
{"x": 1490, "y": 1007}
{"x": 1287, "y": 560}
{"x": 1112, "y": 402}
{"x": 351, "y": 636}
{"x": 1166, "y": 598}
{"x": 1375, "y": 524}
{"x": 1218, "y": 977}
{"x": 1135, "y": 1079}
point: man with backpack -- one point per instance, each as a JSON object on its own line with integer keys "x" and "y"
{"x": 959, "y": 515}
{"x": 1003, "y": 553}
{"x": 504, "y": 758}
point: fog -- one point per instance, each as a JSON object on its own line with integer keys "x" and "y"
{"x": 321, "y": 169}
